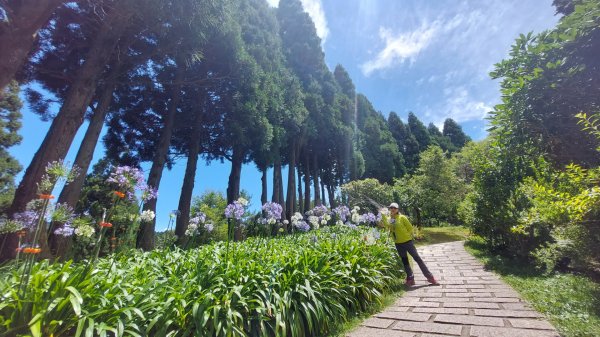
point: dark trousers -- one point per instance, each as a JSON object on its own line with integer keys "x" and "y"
{"x": 409, "y": 248}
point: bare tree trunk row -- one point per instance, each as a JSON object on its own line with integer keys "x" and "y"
{"x": 146, "y": 235}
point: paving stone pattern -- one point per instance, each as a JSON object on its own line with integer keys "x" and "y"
{"x": 469, "y": 302}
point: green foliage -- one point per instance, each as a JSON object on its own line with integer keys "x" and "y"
{"x": 520, "y": 206}
{"x": 548, "y": 79}
{"x": 296, "y": 285}
{"x": 10, "y": 123}
{"x": 418, "y": 129}
{"x": 570, "y": 301}
{"x": 97, "y": 196}
{"x": 368, "y": 194}
{"x": 212, "y": 204}
{"x": 455, "y": 134}
{"x": 383, "y": 160}
{"x": 434, "y": 189}
{"x": 566, "y": 206}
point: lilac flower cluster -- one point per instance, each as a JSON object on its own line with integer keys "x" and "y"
{"x": 342, "y": 212}
{"x": 149, "y": 193}
{"x": 129, "y": 179}
{"x": 368, "y": 218}
{"x": 273, "y": 210}
{"x": 65, "y": 231}
{"x": 199, "y": 218}
{"x": 27, "y": 219}
{"x": 302, "y": 226}
{"x": 319, "y": 211}
{"x": 235, "y": 210}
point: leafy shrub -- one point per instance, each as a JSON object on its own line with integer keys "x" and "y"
{"x": 434, "y": 192}
{"x": 564, "y": 214}
{"x": 368, "y": 194}
{"x": 298, "y": 285}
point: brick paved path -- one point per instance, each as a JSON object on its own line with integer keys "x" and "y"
{"x": 468, "y": 302}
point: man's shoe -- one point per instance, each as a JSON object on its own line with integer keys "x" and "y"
{"x": 410, "y": 281}
{"x": 432, "y": 280}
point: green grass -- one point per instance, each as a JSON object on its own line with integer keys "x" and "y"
{"x": 570, "y": 302}
{"x": 433, "y": 235}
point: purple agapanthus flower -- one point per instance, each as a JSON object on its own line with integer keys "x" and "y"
{"x": 368, "y": 218}
{"x": 199, "y": 218}
{"x": 234, "y": 210}
{"x": 302, "y": 226}
{"x": 319, "y": 210}
{"x": 342, "y": 211}
{"x": 273, "y": 210}
{"x": 129, "y": 179}
{"x": 209, "y": 227}
{"x": 65, "y": 231}
{"x": 149, "y": 193}
{"x": 27, "y": 219}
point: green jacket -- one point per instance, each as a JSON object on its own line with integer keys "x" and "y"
{"x": 401, "y": 228}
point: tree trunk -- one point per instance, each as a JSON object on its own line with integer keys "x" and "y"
{"x": 70, "y": 117}
{"x": 291, "y": 188}
{"x": 300, "y": 196}
{"x": 306, "y": 182}
{"x": 145, "y": 238}
{"x": 323, "y": 192}
{"x": 19, "y": 33}
{"x": 316, "y": 181}
{"x": 71, "y": 192}
{"x": 276, "y": 183}
{"x": 280, "y": 192}
{"x": 187, "y": 189}
{"x": 263, "y": 180}
{"x": 233, "y": 186}
{"x": 71, "y": 114}
{"x": 332, "y": 202}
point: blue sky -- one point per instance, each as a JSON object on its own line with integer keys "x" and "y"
{"x": 429, "y": 57}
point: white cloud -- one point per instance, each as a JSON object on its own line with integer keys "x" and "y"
{"x": 314, "y": 8}
{"x": 460, "y": 106}
{"x": 399, "y": 48}
{"x": 273, "y": 3}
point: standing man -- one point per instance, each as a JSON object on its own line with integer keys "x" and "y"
{"x": 402, "y": 230}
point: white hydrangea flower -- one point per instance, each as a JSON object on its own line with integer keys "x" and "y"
{"x": 242, "y": 201}
{"x": 355, "y": 218}
{"x": 147, "y": 216}
{"x": 323, "y": 222}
